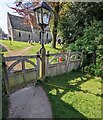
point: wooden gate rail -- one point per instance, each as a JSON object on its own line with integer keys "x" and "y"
{"x": 71, "y": 60}
{"x": 14, "y": 78}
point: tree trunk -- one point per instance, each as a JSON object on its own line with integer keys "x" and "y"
{"x": 32, "y": 29}
{"x": 54, "y": 32}
{"x": 55, "y": 24}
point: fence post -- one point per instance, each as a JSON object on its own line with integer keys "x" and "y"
{"x": 42, "y": 63}
{"x": 47, "y": 62}
{"x": 68, "y": 59}
{"x": 38, "y": 64}
{"x": 5, "y": 76}
{"x": 23, "y": 70}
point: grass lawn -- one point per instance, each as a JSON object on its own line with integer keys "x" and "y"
{"x": 35, "y": 47}
{"x": 16, "y": 45}
{"x": 48, "y": 47}
{"x": 3, "y": 98}
{"x": 74, "y": 95}
{"x": 4, "y": 106}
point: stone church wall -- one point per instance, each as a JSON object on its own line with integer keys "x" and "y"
{"x": 26, "y": 36}
{"x": 21, "y": 35}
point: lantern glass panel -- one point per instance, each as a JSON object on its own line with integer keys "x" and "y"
{"x": 46, "y": 16}
{"x": 36, "y": 13}
{"x": 38, "y": 16}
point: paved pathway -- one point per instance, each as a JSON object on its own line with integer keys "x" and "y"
{"x": 30, "y": 102}
{"x": 17, "y": 52}
{"x": 21, "y": 52}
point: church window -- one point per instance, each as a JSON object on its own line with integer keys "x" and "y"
{"x": 40, "y": 35}
{"x": 19, "y": 34}
{"x": 29, "y": 36}
{"x": 47, "y": 36}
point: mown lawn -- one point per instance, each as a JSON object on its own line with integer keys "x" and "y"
{"x": 74, "y": 95}
{"x": 48, "y": 47}
{"x": 16, "y": 45}
{"x": 5, "y": 105}
{"x": 35, "y": 47}
{"x": 3, "y": 98}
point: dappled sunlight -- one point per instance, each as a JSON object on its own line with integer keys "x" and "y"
{"x": 92, "y": 86}
{"x": 55, "y": 91}
{"x": 84, "y": 103}
{"x": 75, "y": 95}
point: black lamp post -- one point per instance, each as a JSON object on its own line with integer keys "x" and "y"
{"x": 42, "y": 12}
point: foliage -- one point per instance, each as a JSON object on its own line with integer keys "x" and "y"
{"x": 82, "y": 28}
{"x": 74, "y": 95}
{"x": 78, "y": 16}
{"x": 94, "y": 69}
{"x": 59, "y": 9}
{"x": 4, "y": 107}
{"x": 91, "y": 39}
{"x": 91, "y": 44}
{"x": 1, "y": 32}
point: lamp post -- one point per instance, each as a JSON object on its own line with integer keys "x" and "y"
{"x": 42, "y": 12}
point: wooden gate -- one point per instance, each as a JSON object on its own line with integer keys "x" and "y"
{"x": 19, "y": 71}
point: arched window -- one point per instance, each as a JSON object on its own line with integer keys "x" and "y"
{"x": 40, "y": 34}
{"x": 47, "y": 36}
{"x": 19, "y": 34}
{"x": 29, "y": 36}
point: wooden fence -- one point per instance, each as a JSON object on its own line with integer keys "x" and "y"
{"x": 70, "y": 61}
{"x": 18, "y": 71}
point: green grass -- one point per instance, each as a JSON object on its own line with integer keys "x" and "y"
{"x": 16, "y": 45}
{"x": 4, "y": 99}
{"x": 4, "y": 106}
{"x": 0, "y": 76}
{"x": 48, "y": 47}
{"x": 74, "y": 95}
{"x": 35, "y": 47}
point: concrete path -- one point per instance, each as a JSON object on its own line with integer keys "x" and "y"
{"x": 30, "y": 102}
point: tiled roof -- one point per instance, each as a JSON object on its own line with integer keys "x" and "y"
{"x": 17, "y": 22}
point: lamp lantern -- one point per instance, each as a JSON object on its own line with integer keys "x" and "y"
{"x": 42, "y": 12}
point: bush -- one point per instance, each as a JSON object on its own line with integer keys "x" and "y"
{"x": 94, "y": 69}
{"x": 91, "y": 45}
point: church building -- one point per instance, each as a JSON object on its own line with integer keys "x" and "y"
{"x": 20, "y": 31}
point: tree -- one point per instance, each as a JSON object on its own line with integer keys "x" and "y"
{"x": 91, "y": 45}
{"x": 82, "y": 30}
{"x": 58, "y": 9}
{"x": 25, "y": 9}
{"x": 78, "y": 16}
{"x": 1, "y": 32}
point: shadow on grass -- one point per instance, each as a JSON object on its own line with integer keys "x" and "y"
{"x": 2, "y": 48}
{"x": 59, "y": 107}
{"x": 58, "y": 48}
{"x": 4, "y": 106}
{"x": 63, "y": 110}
